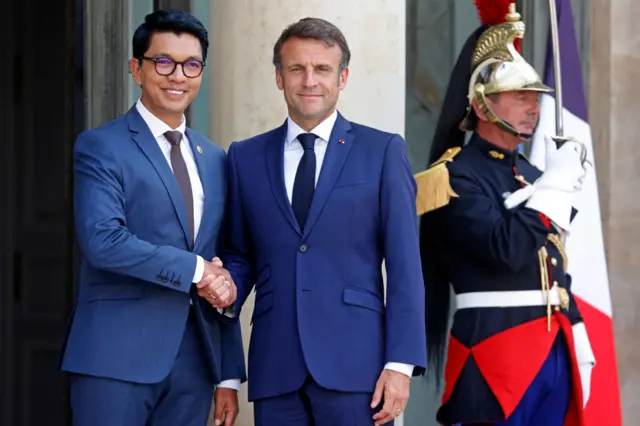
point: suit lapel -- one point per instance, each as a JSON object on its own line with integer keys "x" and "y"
{"x": 202, "y": 166}
{"x": 275, "y": 168}
{"x": 337, "y": 151}
{"x": 147, "y": 143}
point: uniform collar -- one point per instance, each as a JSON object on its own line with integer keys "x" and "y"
{"x": 493, "y": 152}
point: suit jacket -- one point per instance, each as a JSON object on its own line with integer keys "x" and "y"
{"x": 320, "y": 304}
{"x": 138, "y": 262}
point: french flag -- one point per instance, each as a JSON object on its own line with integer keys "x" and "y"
{"x": 585, "y": 245}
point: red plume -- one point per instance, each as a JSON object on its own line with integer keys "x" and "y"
{"x": 493, "y": 12}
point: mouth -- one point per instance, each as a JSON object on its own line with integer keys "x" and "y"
{"x": 174, "y": 93}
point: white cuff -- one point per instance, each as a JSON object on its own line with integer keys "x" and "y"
{"x": 228, "y": 312}
{"x": 197, "y": 276}
{"x": 584, "y": 353}
{"x": 554, "y": 204}
{"x": 406, "y": 369}
{"x": 230, "y": 384}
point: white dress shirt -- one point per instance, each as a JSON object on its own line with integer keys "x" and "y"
{"x": 158, "y": 128}
{"x": 293, "y": 152}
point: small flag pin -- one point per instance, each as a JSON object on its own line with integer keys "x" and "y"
{"x": 341, "y": 141}
{"x": 199, "y": 148}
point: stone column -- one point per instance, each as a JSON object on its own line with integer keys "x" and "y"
{"x": 614, "y": 92}
{"x": 244, "y": 97}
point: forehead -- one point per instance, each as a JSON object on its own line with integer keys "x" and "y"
{"x": 177, "y": 46}
{"x": 513, "y": 94}
{"x": 299, "y": 50}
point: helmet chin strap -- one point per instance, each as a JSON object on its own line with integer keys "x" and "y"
{"x": 510, "y": 129}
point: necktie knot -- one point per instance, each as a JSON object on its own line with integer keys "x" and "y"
{"x": 174, "y": 137}
{"x": 307, "y": 140}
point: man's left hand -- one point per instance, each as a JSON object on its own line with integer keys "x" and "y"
{"x": 392, "y": 387}
{"x": 226, "y": 406}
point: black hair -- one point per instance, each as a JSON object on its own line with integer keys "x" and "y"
{"x": 174, "y": 21}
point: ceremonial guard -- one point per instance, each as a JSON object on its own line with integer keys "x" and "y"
{"x": 492, "y": 227}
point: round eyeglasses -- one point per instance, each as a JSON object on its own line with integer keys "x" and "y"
{"x": 166, "y": 66}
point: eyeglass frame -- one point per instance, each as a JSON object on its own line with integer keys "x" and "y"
{"x": 175, "y": 65}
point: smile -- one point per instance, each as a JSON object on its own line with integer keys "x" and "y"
{"x": 175, "y": 92}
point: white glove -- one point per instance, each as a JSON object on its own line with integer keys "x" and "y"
{"x": 564, "y": 167}
{"x": 585, "y": 357}
{"x": 585, "y": 380}
{"x": 553, "y": 192}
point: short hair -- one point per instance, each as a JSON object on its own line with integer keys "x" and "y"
{"x": 315, "y": 29}
{"x": 174, "y": 21}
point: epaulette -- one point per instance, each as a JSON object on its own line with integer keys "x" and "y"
{"x": 434, "y": 187}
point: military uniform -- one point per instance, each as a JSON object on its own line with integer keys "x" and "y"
{"x": 517, "y": 331}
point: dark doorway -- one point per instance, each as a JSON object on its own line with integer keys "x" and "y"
{"x": 41, "y": 115}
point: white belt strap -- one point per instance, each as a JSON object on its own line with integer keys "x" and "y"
{"x": 507, "y": 299}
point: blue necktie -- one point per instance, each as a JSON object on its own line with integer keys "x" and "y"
{"x": 305, "y": 182}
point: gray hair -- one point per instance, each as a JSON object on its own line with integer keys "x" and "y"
{"x": 315, "y": 29}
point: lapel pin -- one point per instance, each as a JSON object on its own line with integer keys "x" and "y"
{"x": 341, "y": 141}
{"x": 199, "y": 148}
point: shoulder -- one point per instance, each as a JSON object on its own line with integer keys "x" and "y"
{"x": 434, "y": 184}
{"x": 103, "y": 138}
{"x": 254, "y": 142}
{"x": 375, "y": 136}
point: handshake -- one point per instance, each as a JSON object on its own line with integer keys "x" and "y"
{"x": 553, "y": 192}
{"x": 216, "y": 286}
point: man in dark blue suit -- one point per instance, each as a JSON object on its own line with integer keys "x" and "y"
{"x": 150, "y": 338}
{"x": 315, "y": 207}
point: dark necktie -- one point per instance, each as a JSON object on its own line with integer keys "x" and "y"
{"x": 305, "y": 182}
{"x": 182, "y": 175}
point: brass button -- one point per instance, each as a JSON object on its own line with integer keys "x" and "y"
{"x": 555, "y": 283}
{"x": 554, "y": 262}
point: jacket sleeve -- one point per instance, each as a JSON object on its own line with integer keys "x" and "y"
{"x": 101, "y": 223}
{"x": 405, "y": 319}
{"x": 237, "y": 252}
{"x": 475, "y": 223}
{"x": 233, "y": 366}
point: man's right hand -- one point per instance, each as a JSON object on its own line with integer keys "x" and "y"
{"x": 217, "y": 286}
{"x": 565, "y": 166}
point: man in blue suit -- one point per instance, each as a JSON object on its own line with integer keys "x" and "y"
{"x": 315, "y": 206}
{"x": 149, "y": 338}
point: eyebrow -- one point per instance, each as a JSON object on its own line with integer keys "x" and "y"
{"x": 166, "y": 55}
{"x": 315, "y": 66}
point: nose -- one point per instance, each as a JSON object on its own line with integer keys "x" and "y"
{"x": 178, "y": 74}
{"x": 309, "y": 78}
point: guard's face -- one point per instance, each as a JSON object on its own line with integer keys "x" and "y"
{"x": 310, "y": 78}
{"x": 521, "y": 109}
{"x": 165, "y": 93}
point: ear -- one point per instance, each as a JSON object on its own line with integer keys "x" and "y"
{"x": 279, "y": 80}
{"x": 342, "y": 79}
{"x": 476, "y": 107}
{"x": 477, "y": 110}
{"x": 135, "y": 67}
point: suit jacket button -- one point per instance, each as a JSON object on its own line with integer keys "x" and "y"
{"x": 159, "y": 277}
{"x": 165, "y": 279}
{"x": 304, "y": 248}
{"x": 176, "y": 283}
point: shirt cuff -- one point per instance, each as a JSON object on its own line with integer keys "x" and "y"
{"x": 230, "y": 384}
{"x": 228, "y": 312}
{"x": 406, "y": 369}
{"x": 197, "y": 276}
